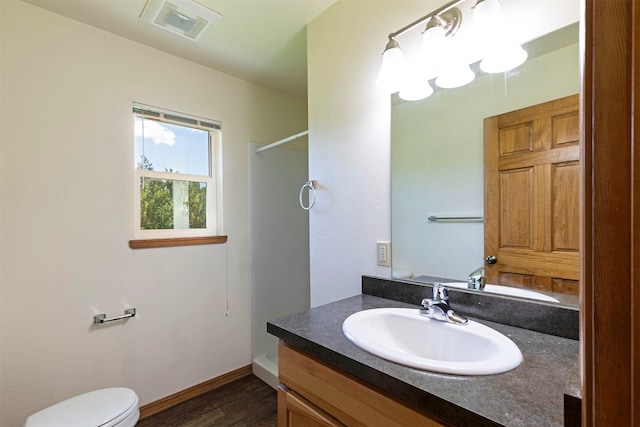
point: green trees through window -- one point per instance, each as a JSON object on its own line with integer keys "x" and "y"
{"x": 157, "y": 202}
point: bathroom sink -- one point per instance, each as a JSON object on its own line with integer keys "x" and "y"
{"x": 403, "y": 336}
{"x": 508, "y": 291}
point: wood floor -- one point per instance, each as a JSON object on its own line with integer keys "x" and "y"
{"x": 244, "y": 402}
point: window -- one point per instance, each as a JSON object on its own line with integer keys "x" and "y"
{"x": 177, "y": 185}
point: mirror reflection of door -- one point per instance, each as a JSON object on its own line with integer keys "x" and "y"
{"x": 532, "y": 170}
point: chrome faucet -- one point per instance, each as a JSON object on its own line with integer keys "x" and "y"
{"x": 476, "y": 279}
{"x": 438, "y": 307}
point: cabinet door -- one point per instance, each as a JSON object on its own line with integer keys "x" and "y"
{"x": 295, "y": 411}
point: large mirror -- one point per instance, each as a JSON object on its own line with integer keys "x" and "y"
{"x": 437, "y": 152}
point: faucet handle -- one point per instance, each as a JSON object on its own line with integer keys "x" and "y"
{"x": 426, "y": 303}
{"x": 440, "y": 293}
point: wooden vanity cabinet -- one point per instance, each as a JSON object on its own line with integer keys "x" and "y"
{"x": 295, "y": 411}
{"x": 312, "y": 393}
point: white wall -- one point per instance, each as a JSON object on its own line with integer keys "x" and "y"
{"x": 66, "y": 163}
{"x": 349, "y": 141}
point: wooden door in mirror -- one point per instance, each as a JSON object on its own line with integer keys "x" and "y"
{"x": 532, "y": 176}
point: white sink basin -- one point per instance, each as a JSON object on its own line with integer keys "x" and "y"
{"x": 401, "y": 335}
{"x": 509, "y": 291}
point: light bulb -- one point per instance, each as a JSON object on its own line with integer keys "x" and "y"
{"x": 415, "y": 90}
{"x": 501, "y": 60}
{"x": 487, "y": 19}
{"x": 391, "y": 73}
{"x": 455, "y": 75}
{"x": 454, "y": 71}
{"x": 433, "y": 42}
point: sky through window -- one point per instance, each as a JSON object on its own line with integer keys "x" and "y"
{"x": 172, "y": 147}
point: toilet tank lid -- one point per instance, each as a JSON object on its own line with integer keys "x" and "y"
{"x": 96, "y": 408}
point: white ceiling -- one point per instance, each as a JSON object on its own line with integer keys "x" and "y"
{"x": 262, "y": 41}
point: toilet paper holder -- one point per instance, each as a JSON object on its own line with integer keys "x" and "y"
{"x": 102, "y": 318}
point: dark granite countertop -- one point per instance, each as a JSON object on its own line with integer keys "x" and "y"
{"x": 530, "y": 395}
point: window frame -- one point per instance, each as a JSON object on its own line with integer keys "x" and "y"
{"x": 213, "y": 181}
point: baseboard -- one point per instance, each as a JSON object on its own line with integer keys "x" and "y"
{"x": 191, "y": 392}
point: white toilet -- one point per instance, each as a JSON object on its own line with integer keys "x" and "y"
{"x": 109, "y": 407}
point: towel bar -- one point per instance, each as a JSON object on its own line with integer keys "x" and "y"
{"x": 102, "y": 318}
{"x": 434, "y": 218}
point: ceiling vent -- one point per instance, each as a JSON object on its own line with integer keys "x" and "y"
{"x": 183, "y": 17}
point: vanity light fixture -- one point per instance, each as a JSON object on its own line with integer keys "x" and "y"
{"x": 443, "y": 57}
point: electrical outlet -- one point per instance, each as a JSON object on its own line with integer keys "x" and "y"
{"x": 384, "y": 254}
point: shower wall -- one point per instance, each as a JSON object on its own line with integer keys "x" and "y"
{"x": 279, "y": 247}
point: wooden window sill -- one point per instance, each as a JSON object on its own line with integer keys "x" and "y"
{"x": 176, "y": 241}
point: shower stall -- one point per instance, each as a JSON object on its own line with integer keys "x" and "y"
{"x": 279, "y": 245}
